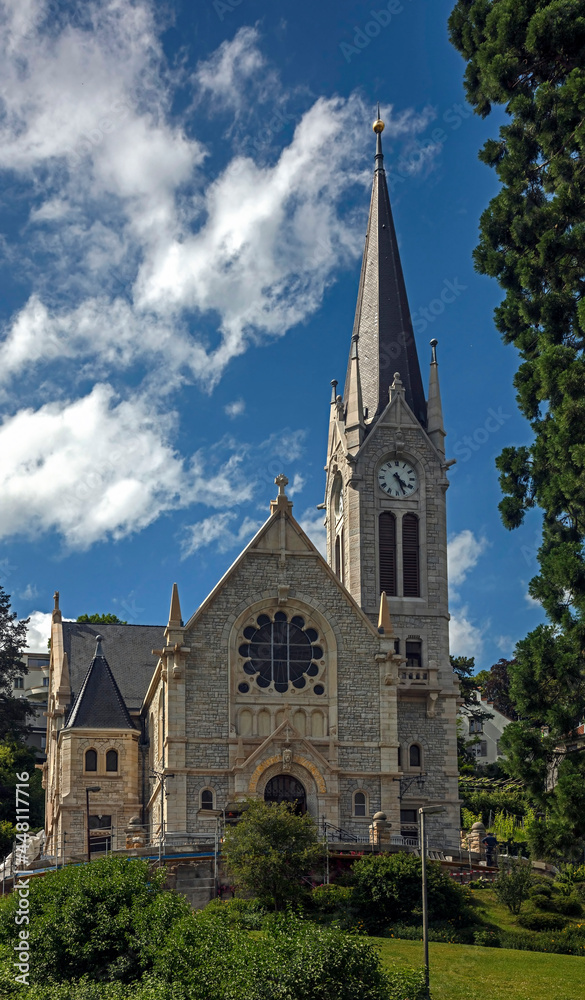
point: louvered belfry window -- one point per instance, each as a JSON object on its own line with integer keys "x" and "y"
{"x": 387, "y": 542}
{"x": 410, "y": 556}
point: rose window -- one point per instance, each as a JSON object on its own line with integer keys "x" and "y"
{"x": 281, "y": 653}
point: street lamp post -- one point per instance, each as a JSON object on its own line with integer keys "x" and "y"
{"x": 426, "y": 811}
{"x": 93, "y": 788}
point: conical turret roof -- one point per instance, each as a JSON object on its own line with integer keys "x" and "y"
{"x": 99, "y": 704}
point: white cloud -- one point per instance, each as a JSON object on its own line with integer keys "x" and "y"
{"x": 39, "y": 631}
{"x": 296, "y": 486}
{"x": 236, "y": 408}
{"x": 463, "y": 552}
{"x": 29, "y": 593}
{"x": 146, "y": 261}
{"x": 465, "y": 638}
{"x": 98, "y": 467}
{"x": 221, "y": 79}
{"x": 531, "y": 601}
{"x": 216, "y": 529}
{"x": 505, "y": 644}
{"x": 255, "y": 249}
{"x": 312, "y": 524}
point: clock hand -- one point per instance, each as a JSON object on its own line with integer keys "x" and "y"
{"x": 396, "y": 476}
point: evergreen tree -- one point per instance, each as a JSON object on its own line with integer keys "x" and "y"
{"x": 494, "y": 685}
{"x": 13, "y": 711}
{"x": 529, "y": 56}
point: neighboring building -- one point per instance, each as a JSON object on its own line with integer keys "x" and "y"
{"x": 488, "y": 732}
{"x": 35, "y": 686}
{"x": 297, "y": 679}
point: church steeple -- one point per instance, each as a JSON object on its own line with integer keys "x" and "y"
{"x": 382, "y": 321}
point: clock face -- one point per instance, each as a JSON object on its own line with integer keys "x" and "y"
{"x": 397, "y": 478}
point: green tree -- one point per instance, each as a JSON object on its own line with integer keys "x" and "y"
{"x": 513, "y": 883}
{"x": 494, "y": 685}
{"x": 15, "y": 758}
{"x": 108, "y": 619}
{"x": 14, "y": 712}
{"x": 270, "y": 850}
{"x": 529, "y": 57}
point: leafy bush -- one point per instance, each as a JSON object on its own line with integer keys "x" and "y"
{"x": 295, "y": 961}
{"x": 487, "y": 939}
{"x": 571, "y": 879}
{"x": 105, "y": 920}
{"x": 205, "y": 958}
{"x": 543, "y": 902}
{"x": 542, "y": 921}
{"x": 388, "y": 888}
{"x": 334, "y": 904}
{"x": 246, "y": 913}
{"x": 512, "y": 885}
{"x": 566, "y": 942}
{"x": 439, "y": 930}
{"x": 541, "y": 887}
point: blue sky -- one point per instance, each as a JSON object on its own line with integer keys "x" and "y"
{"x": 184, "y": 194}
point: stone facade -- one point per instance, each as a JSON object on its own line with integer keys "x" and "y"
{"x": 357, "y": 728}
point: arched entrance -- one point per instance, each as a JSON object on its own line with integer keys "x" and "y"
{"x": 284, "y": 788}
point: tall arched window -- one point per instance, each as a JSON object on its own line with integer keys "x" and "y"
{"x": 359, "y": 804}
{"x": 387, "y": 551}
{"x": 91, "y": 760}
{"x": 160, "y": 726}
{"x": 414, "y": 755}
{"x": 112, "y": 760}
{"x": 151, "y": 741}
{"x": 339, "y": 555}
{"x": 410, "y": 556}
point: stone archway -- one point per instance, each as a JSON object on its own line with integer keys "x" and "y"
{"x": 286, "y": 788}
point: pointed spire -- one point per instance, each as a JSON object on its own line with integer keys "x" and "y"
{"x": 435, "y": 426}
{"x": 382, "y": 320}
{"x": 355, "y": 426}
{"x": 175, "y": 612}
{"x": 384, "y": 620}
{"x": 99, "y": 704}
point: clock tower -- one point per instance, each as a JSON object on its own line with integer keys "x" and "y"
{"x": 386, "y": 481}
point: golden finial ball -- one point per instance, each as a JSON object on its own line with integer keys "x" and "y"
{"x": 378, "y": 126}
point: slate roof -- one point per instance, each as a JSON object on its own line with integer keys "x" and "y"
{"x": 99, "y": 704}
{"x": 382, "y": 320}
{"x": 128, "y": 650}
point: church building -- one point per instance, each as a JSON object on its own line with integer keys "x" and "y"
{"x": 324, "y": 682}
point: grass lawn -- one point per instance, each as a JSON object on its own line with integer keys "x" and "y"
{"x": 466, "y": 972}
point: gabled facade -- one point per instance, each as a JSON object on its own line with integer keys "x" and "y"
{"x": 324, "y": 682}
